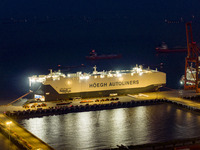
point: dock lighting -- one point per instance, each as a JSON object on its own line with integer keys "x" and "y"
{"x": 9, "y": 123}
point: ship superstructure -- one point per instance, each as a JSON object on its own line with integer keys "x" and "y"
{"x": 59, "y": 86}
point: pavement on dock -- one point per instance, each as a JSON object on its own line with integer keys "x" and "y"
{"x": 35, "y": 142}
{"x": 173, "y": 95}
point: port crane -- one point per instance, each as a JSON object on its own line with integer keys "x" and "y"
{"x": 191, "y": 62}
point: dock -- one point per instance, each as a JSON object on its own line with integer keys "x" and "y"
{"x": 180, "y": 98}
{"x": 186, "y": 99}
{"x": 20, "y": 136}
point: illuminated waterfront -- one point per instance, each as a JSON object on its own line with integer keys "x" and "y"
{"x": 108, "y": 128}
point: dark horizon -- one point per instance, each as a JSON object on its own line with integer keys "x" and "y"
{"x": 39, "y": 35}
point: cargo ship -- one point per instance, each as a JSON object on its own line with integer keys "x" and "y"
{"x": 94, "y": 56}
{"x": 165, "y": 49}
{"x": 59, "y": 86}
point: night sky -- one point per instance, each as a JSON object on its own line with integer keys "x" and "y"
{"x": 41, "y": 34}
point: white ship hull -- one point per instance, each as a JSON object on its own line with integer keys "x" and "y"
{"x": 102, "y": 84}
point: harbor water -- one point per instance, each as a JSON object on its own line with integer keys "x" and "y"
{"x": 109, "y": 128}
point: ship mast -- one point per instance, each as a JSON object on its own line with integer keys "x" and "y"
{"x": 95, "y": 70}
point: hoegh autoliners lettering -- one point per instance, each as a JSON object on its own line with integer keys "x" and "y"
{"x": 94, "y": 85}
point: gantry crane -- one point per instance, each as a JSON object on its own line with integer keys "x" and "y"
{"x": 191, "y": 62}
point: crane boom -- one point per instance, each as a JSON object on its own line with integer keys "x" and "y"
{"x": 192, "y": 59}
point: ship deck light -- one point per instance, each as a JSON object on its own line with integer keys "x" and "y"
{"x": 140, "y": 74}
{"x": 119, "y": 75}
{"x": 84, "y": 77}
{"x": 102, "y": 76}
{"x": 110, "y": 75}
{"x": 121, "y": 79}
{"x": 139, "y": 70}
{"x": 69, "y": 82}
{"x": 87, "y": 77}
{"x": 32, "y": 80}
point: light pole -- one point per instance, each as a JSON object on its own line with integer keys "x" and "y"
{"x": 8, "y": 123}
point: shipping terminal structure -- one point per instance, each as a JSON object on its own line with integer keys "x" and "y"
{"x": 59, "y": 86}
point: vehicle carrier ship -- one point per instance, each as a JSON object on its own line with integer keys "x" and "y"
{"x": 59, "y": 86}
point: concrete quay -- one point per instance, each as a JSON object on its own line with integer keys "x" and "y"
{"x": 26, "y": 140}
{"x": 20, "y": 136}
{"x": 177, "y": 97}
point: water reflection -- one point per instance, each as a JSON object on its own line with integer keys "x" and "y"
{"x": 35, "y": 126}
{"x": 108, "y": 128}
